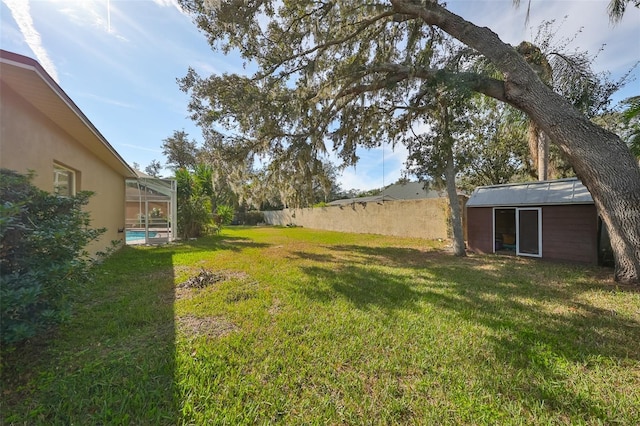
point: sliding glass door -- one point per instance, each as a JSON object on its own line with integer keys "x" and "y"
{"x": 529, "y": 235}
{"x": 518, "y": 229}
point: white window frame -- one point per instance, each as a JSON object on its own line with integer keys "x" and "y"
{"x": 517, "y": 217}
{"x": 59, "y": 169}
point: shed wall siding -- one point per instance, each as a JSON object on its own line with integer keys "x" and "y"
{"x": 480, "y": 229}
{"x": 570, "y": 233}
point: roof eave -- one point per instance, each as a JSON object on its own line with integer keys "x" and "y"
{"x": 29, "y": 64}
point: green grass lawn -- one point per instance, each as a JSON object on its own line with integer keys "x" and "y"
{"x": 313, "y": 327}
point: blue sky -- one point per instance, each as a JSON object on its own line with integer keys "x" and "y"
{"x": 119, "y": 60}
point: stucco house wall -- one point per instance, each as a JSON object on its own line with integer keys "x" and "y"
{"x": 31, "y": 139}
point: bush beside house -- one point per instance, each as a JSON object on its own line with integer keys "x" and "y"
{"x": 42, "y": 255}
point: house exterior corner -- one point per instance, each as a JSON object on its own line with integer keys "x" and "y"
{"x": 44, "y": 132}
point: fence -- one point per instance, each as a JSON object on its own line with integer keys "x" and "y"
{"x": 426, "y": 218}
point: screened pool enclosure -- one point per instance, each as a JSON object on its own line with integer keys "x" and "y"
{"x": 151, "y": 210}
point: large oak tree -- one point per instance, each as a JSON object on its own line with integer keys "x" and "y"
{"x": 342, "y": 70}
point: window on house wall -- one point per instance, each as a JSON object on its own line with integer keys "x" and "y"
{"x": 64, "y": 181}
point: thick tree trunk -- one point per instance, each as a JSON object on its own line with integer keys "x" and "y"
{"x": 601, "y": 160}
{"x": 539, "y": 151}
{"x": 450, "y": 181}
{"x": 454, "y": 207}
{"x": 543, "y": 156}
{"x": 606, "y": 167}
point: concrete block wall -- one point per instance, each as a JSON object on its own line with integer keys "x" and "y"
{"x": 427, "y": 218}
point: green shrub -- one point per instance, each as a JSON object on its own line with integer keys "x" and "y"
{"x": 225, "y": 213}
{"x": 194, "y": 205}
{"x": 252, "y": 217}
{"x": 194, "y": 217}
{"x": 42, "y": 255}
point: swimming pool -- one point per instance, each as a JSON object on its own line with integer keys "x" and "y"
{"x": 138, "y": 235}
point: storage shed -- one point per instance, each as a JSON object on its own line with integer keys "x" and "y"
{"x": 554, "y": 220}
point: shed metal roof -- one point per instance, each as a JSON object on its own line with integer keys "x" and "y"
{"x": 550, "y": 192}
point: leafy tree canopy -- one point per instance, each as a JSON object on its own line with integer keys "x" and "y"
{"x": 337, "y": 75}
{"x": 180, "y": 151}
{"x": 631, "y": 117}
{"x": 153, "y": 169}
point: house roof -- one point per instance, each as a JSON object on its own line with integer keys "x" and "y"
{"x": 395, "y": 192}
{"x": 550, "y": 192}
{"x": 410, "y": 191}
{"x": 373, "y": 199}
{"x": 26, "y": 77}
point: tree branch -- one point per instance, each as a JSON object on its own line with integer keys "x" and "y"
{"x": 504, "y": 56}
{"x": 363, "y": 26}
{"x": 395, "y": 73}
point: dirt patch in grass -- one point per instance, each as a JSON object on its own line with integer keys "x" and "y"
{"x": 275, "y": 308}
{"x": 205, "y": 278}
{"x": 211, "y": 326}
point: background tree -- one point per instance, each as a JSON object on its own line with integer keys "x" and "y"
{"x": 235, "y": 179}
{"x": 617, "y": 8}
{"x": 223, "y": 216}
{"x": 194, "y": 201}
{"x": 631, "y": 116}
{"x": 181, "y": 153}
{"x": 343, "y": 69}
{"x": 153, "y": 169}
{"x": 225, "y": 179}
{"x": 569, "y": 72}
{"x": 326, "y": 187}
{"x": 625, "y": 122}
{"x": 495, "y": 148}
{"x": 300, "y": 182}
{"x": 432, "y": 155}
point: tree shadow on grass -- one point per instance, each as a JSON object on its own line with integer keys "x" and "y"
{"x": 387, "y": 256}
{"x": 362, "y": 287}
{"x": 218, "y": 242}
{"x": 346, "y": 271}
{"x": 315, "y": 257}
{"x": 541, "y": 319}
{"x": 544, "y": 329}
